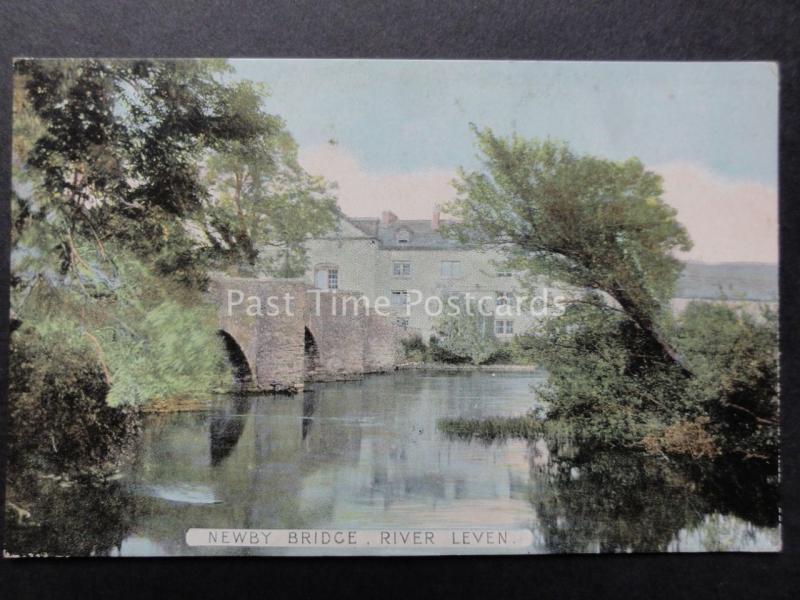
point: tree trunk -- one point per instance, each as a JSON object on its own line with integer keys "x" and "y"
{"x": 655, "y": 339}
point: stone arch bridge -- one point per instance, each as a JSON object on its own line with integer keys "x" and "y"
{"x": 288, "y": 332}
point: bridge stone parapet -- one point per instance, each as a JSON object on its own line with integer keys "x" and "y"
{"x": 290, "y": 332}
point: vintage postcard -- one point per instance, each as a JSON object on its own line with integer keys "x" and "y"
{"x": 392, "y": 307}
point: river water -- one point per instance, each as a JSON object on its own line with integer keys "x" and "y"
{"x": 368, "y": 455}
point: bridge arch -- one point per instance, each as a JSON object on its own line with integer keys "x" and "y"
{"x": 310, "y": 355}
{"x": 241, "y": 369}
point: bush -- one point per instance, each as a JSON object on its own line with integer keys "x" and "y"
{"x": 414, "y": 348}
{"x": 60, "y": 422}
{"x": 689, "y": 438}
{"x": 504, "y": 355}
{"x": 77, "y": 520}
{"x": 613, "y": 391}
{"x": 156, "y": 339}
{"x": 440, "y": 353}
{"x": 173, "y": 350}
{"x": 466, "y": 334}
{"x": 734, "y": 358}
{"x": 602, "y": 382}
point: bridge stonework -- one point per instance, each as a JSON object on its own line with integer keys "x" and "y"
{"x": 346, "y": 339}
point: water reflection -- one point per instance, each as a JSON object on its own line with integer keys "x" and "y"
{"x": 73, "y": 521}
{"x": 621, "y": 502}
{"x": 226, "y": 426}
{"x": 309, "y": 404}
{"x": 368, "y": 455}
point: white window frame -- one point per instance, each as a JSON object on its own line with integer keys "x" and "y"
{"x": 504, "y": 327}
{"x": 453, "y": 270}
{"x": 401, "y": 268}
{"x": 333, "y": 278}
{"x": 396, "y": 294}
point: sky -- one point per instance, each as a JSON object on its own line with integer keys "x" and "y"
{"x": 392, "y": 133}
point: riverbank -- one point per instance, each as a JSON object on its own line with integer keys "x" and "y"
{"x": 202, "y": 402}
{"x": 173, "y": 405}
{"x": 500, "y": 368}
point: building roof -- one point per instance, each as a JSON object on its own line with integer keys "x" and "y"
{"x": 421, "y": 234}
{"x": 733, "y": 281}
{"x": 366, "y": 224}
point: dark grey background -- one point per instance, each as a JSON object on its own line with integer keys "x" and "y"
{"x": 559, "y": 30}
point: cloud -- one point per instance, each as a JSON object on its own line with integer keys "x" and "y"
{"x": 362, "y": 193}
{"x": 729, "y": 221}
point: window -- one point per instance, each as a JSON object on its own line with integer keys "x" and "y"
{"x": 326, "y": 278}
{"x": 333, "y": 279}
{"x": 504, "y": 298}
{"x": 450, "y": 269}
{"x": 504, "y": 327}
{"x": 403, "y": 236}
{"x": 505, "y": 274}
{"x": 401, "y": 268}
{"x": 402, "y": 323}
{"x": 399, "y": 297}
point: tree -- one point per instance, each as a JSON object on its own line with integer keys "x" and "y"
{"x": 277, "y": 205}
{"x": 118, "y": 157}
{"x": 622, "y": 370}
{"x": 467, "y": 332}
{"x": 585, "y": 221}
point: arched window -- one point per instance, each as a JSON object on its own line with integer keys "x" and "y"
{"x": 403, "y": 236}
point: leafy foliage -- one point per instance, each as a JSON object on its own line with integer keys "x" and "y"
{"x": 612, "y": 395}
{"x": 271, "y": 201}
{"x": 75, "y": 520}
{"x": 601, "y": 379}
{"x": 414, "y": 348}
{"x": 60, "y": 421}
{"x": 154, "y": 339}
{"x": 581, "y": 220}
{"x": 120, "y": 151}
{"x": 622, "y": 371}
{"x": 734, "y": 356}
{"x": 466, "y": 333}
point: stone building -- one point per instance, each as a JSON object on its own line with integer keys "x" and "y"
{"x": 409, "y": 263}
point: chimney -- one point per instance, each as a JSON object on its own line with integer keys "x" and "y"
{"x": 388, "y": 217}
{"x": 435, "y": 220}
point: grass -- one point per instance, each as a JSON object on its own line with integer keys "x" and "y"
{"x": 492, "y": 428}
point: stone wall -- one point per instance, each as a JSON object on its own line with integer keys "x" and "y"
{"x": 339, "y": 331}
{"x": 273, "y": 344}
{"x": 382, "y": 349}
